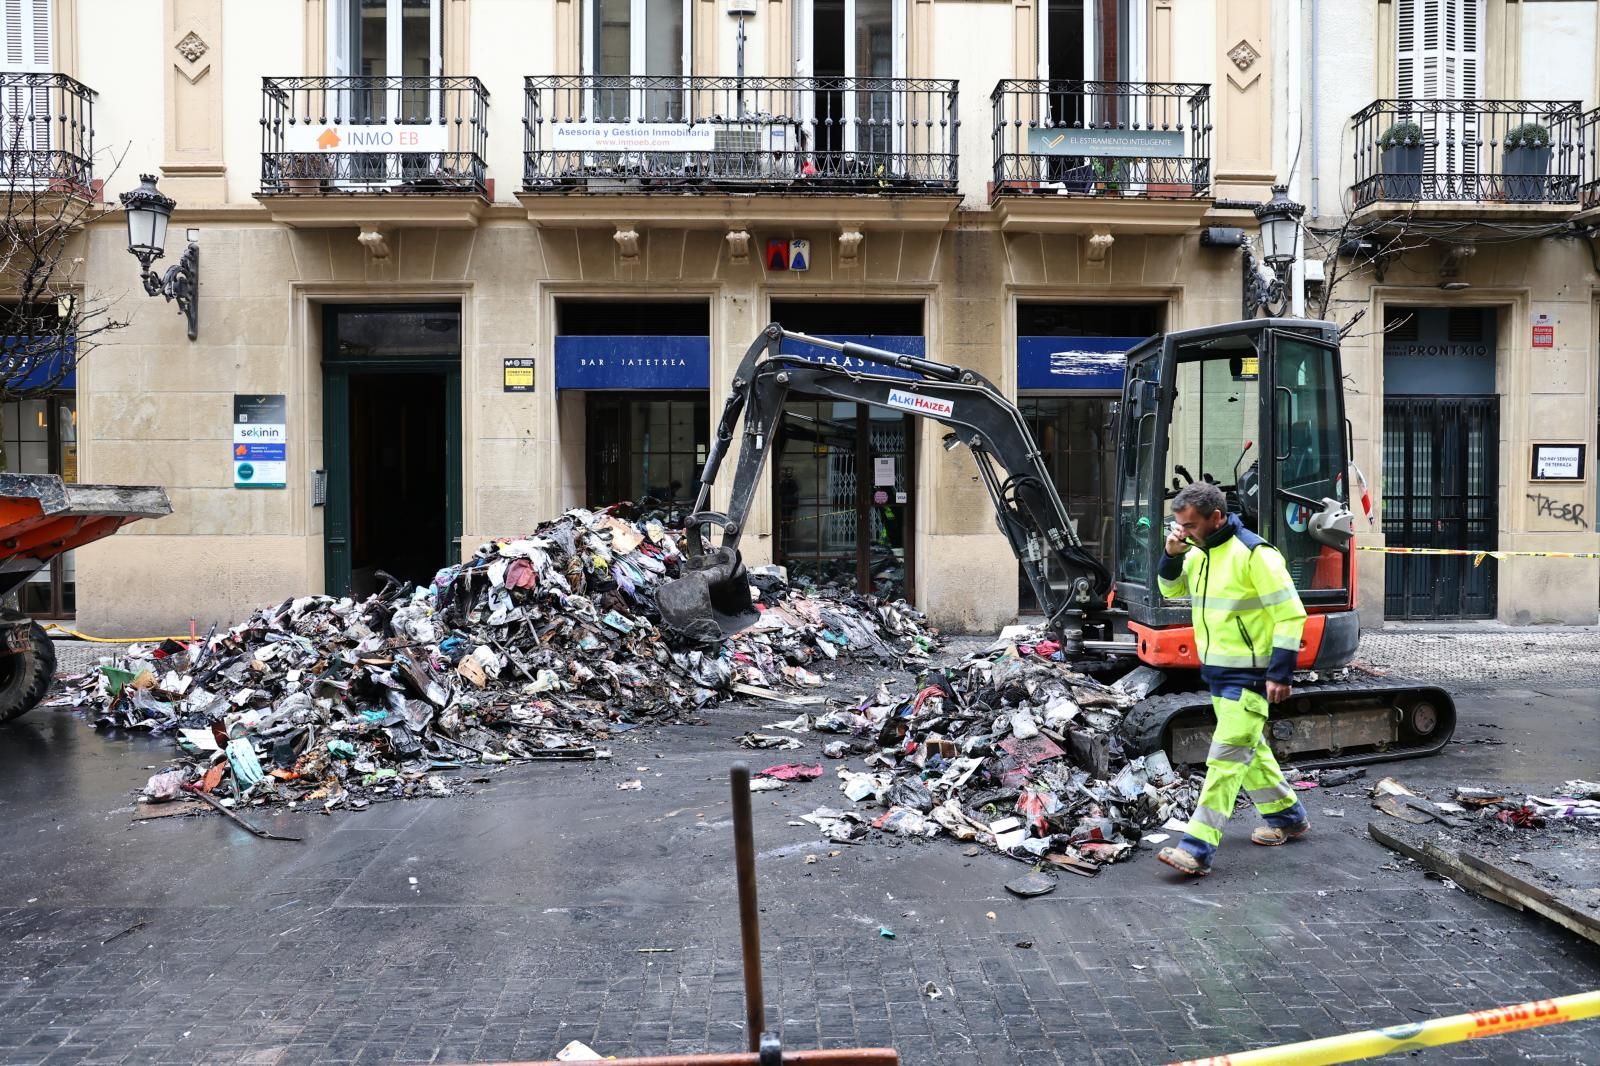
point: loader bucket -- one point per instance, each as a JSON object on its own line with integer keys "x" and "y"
{"x": 710, "y": 600}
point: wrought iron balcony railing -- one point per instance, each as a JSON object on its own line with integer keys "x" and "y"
{"x": 1101, "y": 138}
{"x": 894, "y": 136}
{"x": 400, "y": 135}
{"x": 46, "y": 132}
{"x": 1588, "y": 136}
{"x": 1467, "y": 151}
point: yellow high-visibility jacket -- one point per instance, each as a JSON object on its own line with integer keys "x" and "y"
{"x": 1247, "y": 614}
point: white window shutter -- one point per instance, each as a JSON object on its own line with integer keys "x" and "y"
{"x": 1405, "y": 51}
{"x": 27, "y": 35}
{"x": 40, "y": 37}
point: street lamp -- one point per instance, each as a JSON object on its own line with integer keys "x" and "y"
{"x": 1266, "y": 285}
{"x": 148, "y": 210}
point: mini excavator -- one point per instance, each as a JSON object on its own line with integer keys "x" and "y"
{"x": 1255, "y": 407}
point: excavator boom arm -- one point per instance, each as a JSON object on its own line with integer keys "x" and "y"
{"x": 1027, "y": 506}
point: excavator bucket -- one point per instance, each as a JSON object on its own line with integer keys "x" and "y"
{"x": 709, "y": 600}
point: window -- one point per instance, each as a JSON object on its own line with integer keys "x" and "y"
{"x": 836, "y": 39}
{"x": 25, "y": 112}
{"x": 1439, "y": 56}
{"x": 41, "y": 437}
{"x": 387, "y": 39}
{"x": 1091, "y": 40}
{"x": 633, "y": 39}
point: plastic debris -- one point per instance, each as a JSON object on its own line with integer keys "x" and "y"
{"x": 535, "y": 648}
{"x": 885, "y": 932}
{"x": 794, "y": 771}
{"x": 1013, "y": 751}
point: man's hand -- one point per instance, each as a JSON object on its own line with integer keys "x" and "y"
{"x": 1277, "y": 691}
{"x": 1176, "y": 544}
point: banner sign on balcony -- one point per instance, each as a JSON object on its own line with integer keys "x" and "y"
{"x": 382, "y": 137}
{"x": 633, "y": 137}
{"x": 901, "y": 345}
{"x": 633, "y": 362}
{"x": 1072, "y": 362}
{"x": 1143, "y": 144}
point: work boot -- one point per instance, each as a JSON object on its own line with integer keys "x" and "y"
{"x": 1183, "y": 862}
{"x": 1271, "y": 836}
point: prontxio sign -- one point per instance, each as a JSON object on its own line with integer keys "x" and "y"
{"x": 632, "y": 137}
{"x": 1136, "y": 144}
{"x": 383, "y": 137}
{"x": 260, "y": 442}
{"x": 633, "y": 362}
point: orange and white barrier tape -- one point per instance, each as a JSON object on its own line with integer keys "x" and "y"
{"x": 1416, "y": 1035}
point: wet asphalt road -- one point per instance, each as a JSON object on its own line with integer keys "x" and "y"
{"x": 501, "y": 925}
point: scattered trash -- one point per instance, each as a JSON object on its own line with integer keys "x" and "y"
{"x": 1333, "y": 812}
{"x": 1031, "y": 885}
{"x": 811, "y": 860}
{"x": 1013, "y": 751}
{"x": 633, "y": 784}
{"x": 536, "y": 648}
{"x": 1021, "y": 943}
{"x": 577, "y": 1051}
{"x": 885, "y": 932}
{"x": 792, "y": 772}
{"x": 931, "y": 990}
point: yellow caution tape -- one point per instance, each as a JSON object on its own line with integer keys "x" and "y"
{"x": 1478, "y": 556}
{"x": 1411, "y": 1037}
{"x": 73, "y": 633}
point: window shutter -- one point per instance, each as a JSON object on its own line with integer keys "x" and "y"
{"x": 1405, "y": 52}
{"x": 27, "y": 35}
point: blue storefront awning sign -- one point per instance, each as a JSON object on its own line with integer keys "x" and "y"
{"x": 30, "y": 363}
{"x": 632, "y": 362}
{"x": 1072, "y": 362}
{"x": 899, "y": 345}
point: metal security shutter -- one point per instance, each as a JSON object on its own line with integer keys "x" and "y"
{"x": 1439, "y": 56}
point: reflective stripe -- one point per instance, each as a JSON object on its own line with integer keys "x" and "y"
{"x": 1274, "y": 792}
{"x": 1203, "y": 833}
{"x": 1239, "y": 753}
{"x": 1222, "y": 603}
{"x": 1281, "y": 596}
{"x": 1246, "y": 662}
{"x": 1287, "y": 642}
{"x": 1209, "y": 818}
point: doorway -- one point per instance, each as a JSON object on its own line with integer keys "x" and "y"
{"x": 843, "y": 496}
{"x": 1440, "y": 490}
{"x": 392, "y": 444}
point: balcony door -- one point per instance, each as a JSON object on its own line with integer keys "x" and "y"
{"x": 629, "y": 42}
{"x": 25, "y": 119}
{"x": 1089, "y": 40}
{"x": 389, "y": 40}
{"x": 852, "y": 117}
{"x": 1439, "y": 56}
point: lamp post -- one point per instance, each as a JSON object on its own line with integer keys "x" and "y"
{"x": 1266, "y": 286}
{"x": 148, "y": 210}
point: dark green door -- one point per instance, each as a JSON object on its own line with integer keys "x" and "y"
{"x": 391, "y": 444}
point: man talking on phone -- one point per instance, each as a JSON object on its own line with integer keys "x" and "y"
{"x": 1247, "y": 623}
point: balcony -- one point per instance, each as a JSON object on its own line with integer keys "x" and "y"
{"x": 1588, "y": 144}
{"x": 1468, "y": 159}
{"x": 337, "y": 150}
{"x": 1101, "y": 155}
{"x": 715, "y": 145}
{"x": 47, "y": 121}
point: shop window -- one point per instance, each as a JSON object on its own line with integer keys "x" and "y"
{"x": 41, "y": 437}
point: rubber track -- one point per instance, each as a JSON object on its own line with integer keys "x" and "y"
{"x": 1145, "y": 726}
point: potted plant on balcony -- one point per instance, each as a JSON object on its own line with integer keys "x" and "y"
{"x": 1527, "y": 162}
{"x": 1110, "y": 175}
{"x": 1400, "y": 161}
{"x": 306, "y": 171}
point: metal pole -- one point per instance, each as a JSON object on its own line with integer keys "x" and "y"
{"x": 744, "y": 857}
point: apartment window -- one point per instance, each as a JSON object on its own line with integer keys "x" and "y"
{"x": 633, "y": 39}
{"x": 41, "y": 437}
{"x": 388, "y": 39}
{"x": 1091, "y": 40}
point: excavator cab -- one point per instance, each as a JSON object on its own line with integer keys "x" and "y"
{"x": 1256, "y": 408}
